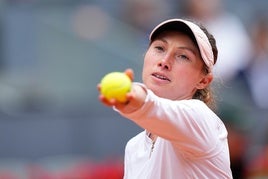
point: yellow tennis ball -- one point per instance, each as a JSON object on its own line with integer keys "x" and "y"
{"x": 115, "y": 85}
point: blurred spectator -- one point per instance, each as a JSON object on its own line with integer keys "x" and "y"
{"x": 255, "y": 76}
{"x": 232, "y": 38}
{"x": 257, "y": 70}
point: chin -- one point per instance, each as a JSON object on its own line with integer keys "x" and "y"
{"x": 162, "y": 94}
{"x": 158, "y": 91}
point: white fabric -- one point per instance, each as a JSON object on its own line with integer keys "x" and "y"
{"x": 192, "y": 142}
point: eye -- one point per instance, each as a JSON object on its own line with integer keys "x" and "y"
{"x": 159, "y": 48}
{"x": 183, "y": 57}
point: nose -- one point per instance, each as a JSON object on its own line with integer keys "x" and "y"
{"x": 165, "y": 63}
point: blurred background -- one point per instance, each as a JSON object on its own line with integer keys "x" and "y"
{"x": 53, "y": 53}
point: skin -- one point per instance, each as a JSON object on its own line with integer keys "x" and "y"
{"x": 172, "y": 69}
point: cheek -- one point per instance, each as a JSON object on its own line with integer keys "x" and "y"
{"x": 148, "y": 56}
{"x": 147, "y": 62}
{"x": 186, "y": 77}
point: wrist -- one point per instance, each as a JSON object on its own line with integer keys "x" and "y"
{"x": 138, "y": 94}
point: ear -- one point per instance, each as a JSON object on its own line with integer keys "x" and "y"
{"x": 205, "y": 81}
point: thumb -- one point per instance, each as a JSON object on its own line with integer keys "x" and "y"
{"x": 129, "y": 72}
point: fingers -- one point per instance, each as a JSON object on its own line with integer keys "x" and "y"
{"x": 114, "y": 102}
{"x": 107, "y": 102}
{"x": 129, "y": 72}
{"x": 99, "y": 87}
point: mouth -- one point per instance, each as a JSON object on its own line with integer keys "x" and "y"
{"x": 161, "y": 77}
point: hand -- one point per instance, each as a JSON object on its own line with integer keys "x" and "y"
{"x": 113, "y": 102}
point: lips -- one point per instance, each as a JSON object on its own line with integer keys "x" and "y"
{"x": 161, "y": 77}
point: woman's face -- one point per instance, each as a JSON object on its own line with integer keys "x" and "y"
{"x": 173, "y": 67}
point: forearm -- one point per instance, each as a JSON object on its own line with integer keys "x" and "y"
{"x": 149, "y": 115}
{"x": 182, "y": 122}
